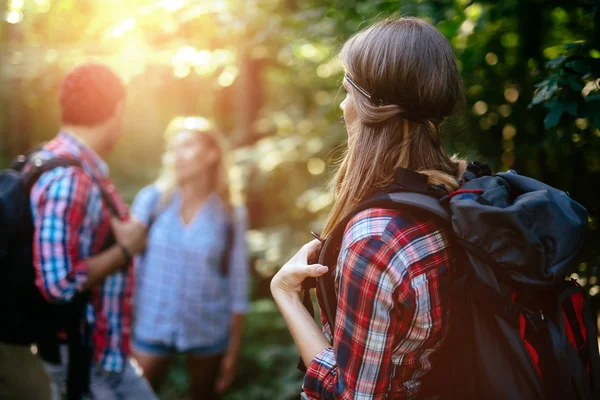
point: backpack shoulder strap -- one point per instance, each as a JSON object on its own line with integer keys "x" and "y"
{"x": 38, "y": 166}
{"x": 226, "y": 258}
{"x": 421, "y": 202}
{"x": 401, "y": 200}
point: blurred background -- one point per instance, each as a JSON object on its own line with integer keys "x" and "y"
{"x": 266, "y": 72}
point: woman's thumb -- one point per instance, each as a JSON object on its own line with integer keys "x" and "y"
{"x": 317, "y": 270}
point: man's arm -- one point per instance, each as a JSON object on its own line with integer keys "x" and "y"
{"x": 59, "y": 213}
{"x": 131, "y": 239}
{"x": 103, "y": 264}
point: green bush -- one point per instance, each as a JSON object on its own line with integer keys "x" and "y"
{"x": 267, "y": 368}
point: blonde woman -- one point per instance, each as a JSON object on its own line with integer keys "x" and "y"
{"x": 192, "y": 287}
{"x": 393, "y": 270}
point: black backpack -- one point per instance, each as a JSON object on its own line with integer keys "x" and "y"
{"x": 25, "y": 316}
{"x": 518, "y": 328}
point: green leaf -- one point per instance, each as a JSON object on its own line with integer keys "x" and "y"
{"x": 572, "y": 81}
{"x": 540, "y": 96}
{"x": 575, "y": 83}
{"x": 571, "y": 107}
{"x": 556, "y": 62}
{"x": 449, "y": 27}
{"x": 576, "y": 45}
{"x": 552, "y": 103}
{"x": 594, "y": 97}
{"x": 554, "y": 116}
{"x": 579, "y": 66}
{"x": 543, "y": 93}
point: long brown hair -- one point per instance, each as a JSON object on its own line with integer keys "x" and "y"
{"x": 406, "y": 81}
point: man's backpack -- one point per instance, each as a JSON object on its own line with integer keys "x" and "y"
{"x": 25, "y": 316}
{"x": 518, "y": 328}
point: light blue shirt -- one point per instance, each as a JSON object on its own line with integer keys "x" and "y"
{"x": 182, "y": 299}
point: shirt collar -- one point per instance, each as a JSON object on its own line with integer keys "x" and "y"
{"x": 86, "y": 153}
{"x": 416, "y": 182}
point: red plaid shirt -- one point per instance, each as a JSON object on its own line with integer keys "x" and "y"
{"x": 71, "y": 223}
{"x": 392, "y": 281}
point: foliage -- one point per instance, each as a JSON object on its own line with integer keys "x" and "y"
{"x": 268, "y": 370}
{"x": 267, "y": 72}
{"x": 572, "y": 85}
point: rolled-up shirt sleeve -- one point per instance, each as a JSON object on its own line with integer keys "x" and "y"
{"x": 239, "y": 269}
{"x": 145, "y": 205}
{"x": 59, "y": 212}
{"x": 359, "y": 364}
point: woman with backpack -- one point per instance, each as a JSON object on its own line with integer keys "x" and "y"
{"x": 192, "y": 281}
{"x": 392, "y": 278}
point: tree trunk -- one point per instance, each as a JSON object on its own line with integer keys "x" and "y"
{"x": 249, "y": 98}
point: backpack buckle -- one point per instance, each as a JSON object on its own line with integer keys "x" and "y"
{"x": 535, "y": 318}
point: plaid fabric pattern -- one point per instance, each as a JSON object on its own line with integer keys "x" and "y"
{"x": 182, "y": 299}
{"x": 392, "y": 281}
{"x": 71, "y": 223}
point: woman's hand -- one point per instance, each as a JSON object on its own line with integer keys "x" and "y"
{"x": 286, "y": 286}
{"x": 290, "y": 277}
{"x": 227, "y": 371}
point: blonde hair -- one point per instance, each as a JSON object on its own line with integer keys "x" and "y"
{"x": 202, "y": 128}
{"x": 408, "y": 82}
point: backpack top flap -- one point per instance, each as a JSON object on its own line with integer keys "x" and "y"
{"x": 528, "y": 229}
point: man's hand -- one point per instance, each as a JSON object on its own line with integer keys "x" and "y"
{"x": 131, "y": 234}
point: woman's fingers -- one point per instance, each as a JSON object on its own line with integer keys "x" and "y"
{"x": 321, "y": 269}
{"x": 315, "y": 270}
{"x": 294, "y": 272}
{"x": 300, "y": 272}
{"x": 313, "y": 254}
{"x": 309, "y": 253}
{"x": 312, "y": 245}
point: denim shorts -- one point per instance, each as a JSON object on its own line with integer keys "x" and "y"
{"x": 161, "y": 349}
